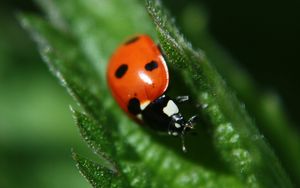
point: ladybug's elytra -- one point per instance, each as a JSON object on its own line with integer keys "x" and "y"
{"x": 138, "y": 77}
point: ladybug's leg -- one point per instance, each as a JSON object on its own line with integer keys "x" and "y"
{"x": 191, "y": 122}
{"x": 169, "y": 127}
{"x": 181, "y": 99}
{"x": 188, "y": 125}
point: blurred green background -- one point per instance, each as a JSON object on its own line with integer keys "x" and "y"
{"x": 36, "y": 127}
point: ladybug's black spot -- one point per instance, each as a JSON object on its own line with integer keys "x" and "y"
{"x": 121, "y": 71}
{"x": 151, "y": 65}
{"x": 134, "y": 106}
{"x": 134, "y": 39}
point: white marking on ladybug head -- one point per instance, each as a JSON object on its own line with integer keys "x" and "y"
{"x": 139, "y": 116}
{"x": 171, "y": 108}
{"x": 177, "y": 125}
{"x": 144, "y": 105}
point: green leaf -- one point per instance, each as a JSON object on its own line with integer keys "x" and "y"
{"x": 97, "y": 137}
{"x": 265, "y": 105}
{"x": 228, "y": 151}
{"x": 96, "y": 174}
{"x": 236, "y": 137}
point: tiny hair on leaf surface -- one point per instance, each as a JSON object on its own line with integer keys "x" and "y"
{"x": 76, "y": 40}
{"x": 96, "y": 174}
{"x": 264, "y": 104}
{"x": 238, "y": 141}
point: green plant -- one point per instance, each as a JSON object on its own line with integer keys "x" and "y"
{"x": 228, "y": 150}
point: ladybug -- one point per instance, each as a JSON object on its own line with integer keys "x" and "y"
{"x": 138, "y": 78}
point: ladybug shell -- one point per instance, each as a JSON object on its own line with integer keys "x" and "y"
{"x": 137, "y": 70}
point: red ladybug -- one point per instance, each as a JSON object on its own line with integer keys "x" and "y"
{"x": 138, "y": 77}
